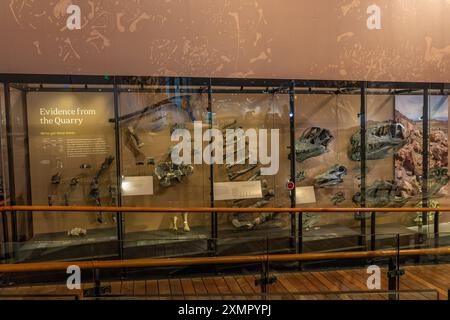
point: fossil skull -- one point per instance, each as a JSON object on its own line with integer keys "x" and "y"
{"x": 331, "y": 177}
{"x": 382, "y": 139}
{"x": 312, "y": 143}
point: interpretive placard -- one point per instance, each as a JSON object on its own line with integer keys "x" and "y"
{"x": 305, "y": 195}
{"x": 137, "y": 186}
{"x": 237, "y": 190}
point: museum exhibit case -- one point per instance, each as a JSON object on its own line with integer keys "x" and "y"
{"x": 109, "y": 142}
{"x": 325, "y": 119}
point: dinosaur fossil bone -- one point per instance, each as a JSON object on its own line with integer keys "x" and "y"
{"x": 331, "y": 177}
{"x": 312, "y": 143}
{"x": 383, "y": 139}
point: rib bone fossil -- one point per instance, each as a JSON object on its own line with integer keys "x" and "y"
{"x": 234, "y": 175}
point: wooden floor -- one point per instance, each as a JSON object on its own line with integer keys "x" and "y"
{"x": 316, "y": 285}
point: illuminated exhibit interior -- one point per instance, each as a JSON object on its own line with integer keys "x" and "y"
{"x": 108, "y": 143}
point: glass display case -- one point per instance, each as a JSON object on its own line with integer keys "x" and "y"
{"x": 161, "y": 142}
{"x": 325, "y": 121}
{"x": 394, "y": 160}
{"x": 150, "y": 116}
{"x": 437, "y": 186}
{"x": 254, "y": 122}
{"x": 4, "y": 164}
{"x": 64, "y": 154}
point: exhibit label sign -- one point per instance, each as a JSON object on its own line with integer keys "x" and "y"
{"x": 237, "y": 190}
{"x": 305, "y": 195}
{"x": 137, "y": 186}
{"x": 70, "y": 137}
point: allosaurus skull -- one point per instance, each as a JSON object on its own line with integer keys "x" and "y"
{"x": 312, "y": 143}
{"x": 382, "y": 139}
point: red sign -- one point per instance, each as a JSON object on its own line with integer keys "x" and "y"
{"x": 290, "y": 185}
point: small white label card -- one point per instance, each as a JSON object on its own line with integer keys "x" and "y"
{"x": 137, "y": 186}
{"x": 237, "y": 190}
{"x": 305, "y": 195}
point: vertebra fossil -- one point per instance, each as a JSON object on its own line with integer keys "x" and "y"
{"x": 300, "y": 176}
{"x": 382, "y": 139}
{"x": 338, "y": 198}
{"x": 312, "y": 143}
{"x": 331, "y": 177}
{"x": 77, "y": 232}
{"x": 168, "y": 172}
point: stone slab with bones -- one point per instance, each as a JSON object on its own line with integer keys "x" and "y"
{"x": 382, "y": 194}
{"x": 382, "y": 139}
{"x": 313, "y": 142}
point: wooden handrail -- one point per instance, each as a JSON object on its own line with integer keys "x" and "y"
{"x": 208, "y": 210}
{"x": 146, "y": 263}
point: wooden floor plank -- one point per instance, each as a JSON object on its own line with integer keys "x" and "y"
{"x": 188, "y": 289}
{"x": 176, "y": 289}
{"x": 151, "y": 287}
{"x": 127, "y": 288}
{"x": 435, "y": 277}
{"x": 211, "y": 288}
{"x": 116, "y": 288}
{"x": 164, "y": 289}
{"x": 140, "y": 288}
{"x": 200, "y": 288}
{"x": 234, "y": 287}
{"x": 245, "y": 287}
{"x": 223, "y": 288}
{"x": 251, "y": 283}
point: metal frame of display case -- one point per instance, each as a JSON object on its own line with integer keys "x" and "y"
{"x": 220, "y": 85}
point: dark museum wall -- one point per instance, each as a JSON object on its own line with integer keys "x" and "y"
{"x": 230, "y": 38}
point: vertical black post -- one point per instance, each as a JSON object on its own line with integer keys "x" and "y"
{"x": 97, "y": 283}
{"x": 212, "y": 244}
{"x": 394, "y": 274}
{"x": 29, "y": 215}
{"x": 425, "y": 164}
{"x": 296, "y": 231}
{"x": 10, "y": 149}
{"x": 392, "y": 281}
{"x": 436, "y": 229}
{"x": 362, "y": 118}
{"x": 373, "y": 231}
{"x": 5, "y": 245}
{"x": 120, "y": 222}
{"x": 5, "y": 229}
{"x": 26, "y": 145}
